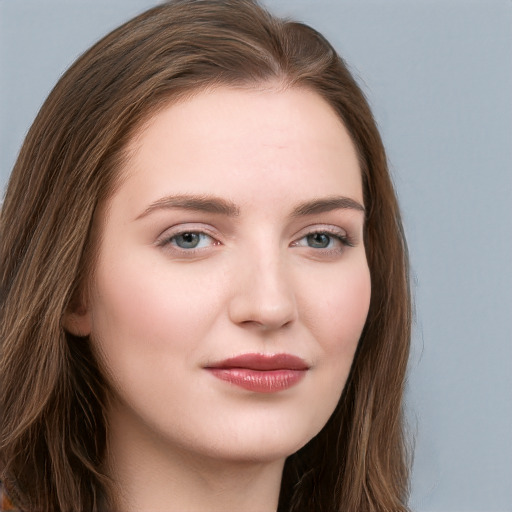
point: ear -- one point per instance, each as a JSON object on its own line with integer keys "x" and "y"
{"x": 77, "y": 320}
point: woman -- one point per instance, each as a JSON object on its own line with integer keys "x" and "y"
{"x": 204, "y": 278}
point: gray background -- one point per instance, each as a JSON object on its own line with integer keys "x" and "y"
{"x": 439, "y": 77}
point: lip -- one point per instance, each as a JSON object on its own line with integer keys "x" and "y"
{"x": 261, "y": 373}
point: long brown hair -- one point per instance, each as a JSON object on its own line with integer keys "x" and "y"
{"x": 52, "y": 424}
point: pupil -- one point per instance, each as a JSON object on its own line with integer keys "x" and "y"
{"x": 188, "y": 240}
{"x": 318, "y": 240}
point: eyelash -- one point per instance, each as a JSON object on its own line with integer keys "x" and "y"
{"x": 170, "y": 241}
{"x": 344, "y": 239}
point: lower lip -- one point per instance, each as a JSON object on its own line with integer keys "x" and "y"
{"x": 264, "y": 381}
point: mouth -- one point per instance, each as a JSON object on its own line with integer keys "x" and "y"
{"x": 261, "y": 373}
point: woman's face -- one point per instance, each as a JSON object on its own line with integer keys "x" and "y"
{"x": 232, "y": 285}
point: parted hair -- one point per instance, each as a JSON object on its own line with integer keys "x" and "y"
{"x": 52, "y": 392}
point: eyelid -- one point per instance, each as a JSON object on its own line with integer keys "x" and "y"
{"x": 188, "y": 227}
{"x": 328, "y": 229}
{"x": 339, "y": 236}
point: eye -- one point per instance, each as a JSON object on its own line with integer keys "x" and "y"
{"x": 318, "y": 240}
{"x": 187, "y": 242}
{"x": 190, "y": 240}
{"x": 325, "y": 240}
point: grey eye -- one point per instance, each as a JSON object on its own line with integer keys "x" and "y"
{"x": 318, "y": 240}
{"x": 187, "y": 240}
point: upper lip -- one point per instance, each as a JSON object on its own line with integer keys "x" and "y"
{"x": 262, "y": 362}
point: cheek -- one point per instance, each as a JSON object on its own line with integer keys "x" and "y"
{"x": 335, "y": 315}
{"x": 141, "y": 311}
{"x": 338, "y": 312}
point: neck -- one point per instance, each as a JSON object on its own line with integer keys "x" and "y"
{"x": 153, "y": 474}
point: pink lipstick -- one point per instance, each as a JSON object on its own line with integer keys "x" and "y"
{"x": 261, "y": 373}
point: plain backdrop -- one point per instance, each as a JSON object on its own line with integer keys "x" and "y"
{"x": 438, "y": 74}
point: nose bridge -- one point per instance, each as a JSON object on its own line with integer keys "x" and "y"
{"x": 264, "y": 295}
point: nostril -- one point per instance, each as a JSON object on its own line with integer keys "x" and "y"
{"x": 264, "y": 325}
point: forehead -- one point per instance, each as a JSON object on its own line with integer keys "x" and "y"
{"x": 275, "y": 144}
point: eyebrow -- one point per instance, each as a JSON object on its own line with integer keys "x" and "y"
{"x": 203, "y": 203}
{"x": 217, "y": 205}
{"x": 326, "y": 205}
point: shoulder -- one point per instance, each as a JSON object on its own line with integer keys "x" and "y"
{"x": 5, "y": 502}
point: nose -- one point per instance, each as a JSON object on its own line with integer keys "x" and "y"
{"x": 264, "y": 295}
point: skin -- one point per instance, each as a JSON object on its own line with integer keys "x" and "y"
{"x": 259, "y": 281}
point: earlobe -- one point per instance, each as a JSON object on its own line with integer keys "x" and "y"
{"x": 77, "y": 321}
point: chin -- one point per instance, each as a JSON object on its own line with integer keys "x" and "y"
{"x": 261, "y": 441}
